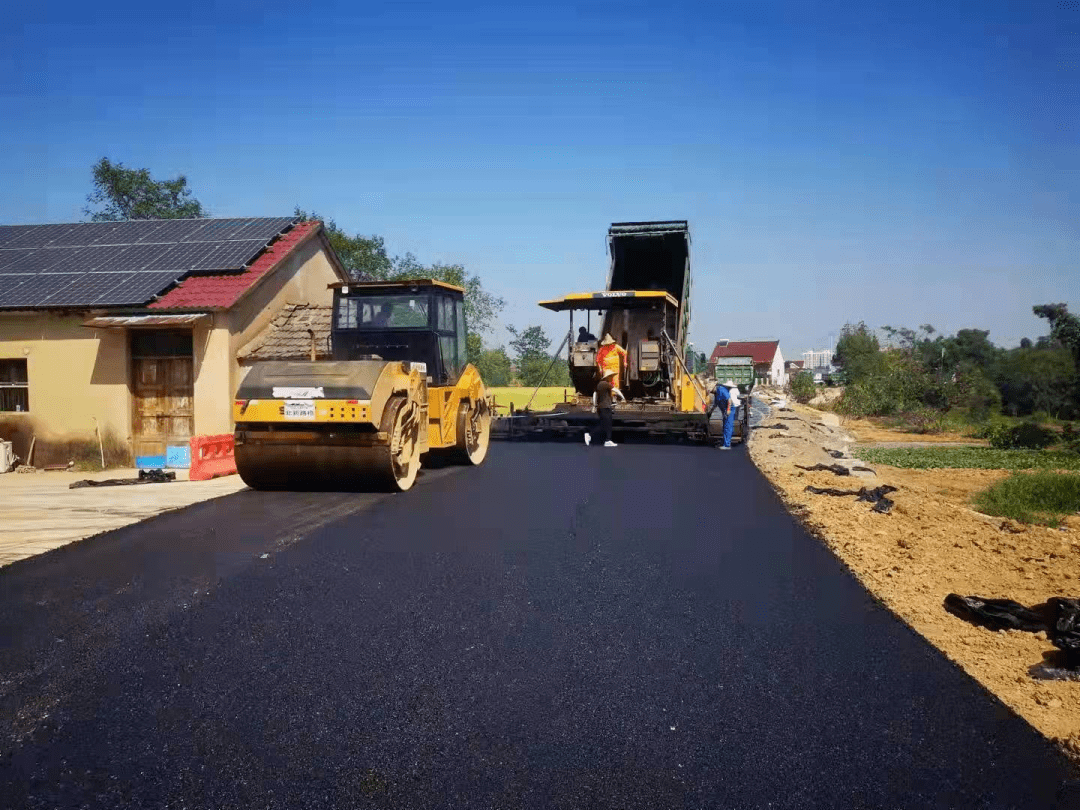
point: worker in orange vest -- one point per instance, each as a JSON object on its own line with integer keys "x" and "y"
{"x": 611, "y": 357}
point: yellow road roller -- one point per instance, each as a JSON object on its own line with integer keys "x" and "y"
{"x": 398, "y": 386}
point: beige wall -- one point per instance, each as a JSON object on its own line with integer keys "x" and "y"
{"x": 75, "y": 374}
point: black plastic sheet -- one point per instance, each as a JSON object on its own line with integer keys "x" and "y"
{"x": 875, "y": 496}
{"x": 145, "y": 477}
{"x": 1058, "y": 617}
{"x": 839, "y": 469}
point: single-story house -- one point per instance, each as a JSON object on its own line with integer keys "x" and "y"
{"x": 794, "y": 366}
{"x": 130, "y": 332}
{"x": 768, "y": 359}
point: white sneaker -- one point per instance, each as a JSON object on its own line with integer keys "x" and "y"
{"x": 610, "y": 444}
{"x": 588, "y": 439}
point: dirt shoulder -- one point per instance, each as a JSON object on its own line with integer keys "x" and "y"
{"x": 867, "y": 432}
{"x": 931, "y": 544}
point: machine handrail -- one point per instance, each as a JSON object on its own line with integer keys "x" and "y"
{"x": 686, "y": 371}
{"x": 543, "y": 379}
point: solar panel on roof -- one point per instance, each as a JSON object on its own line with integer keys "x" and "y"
{"x": 136, "y": 257}
{"x": 86, "y": 289}
{"x": 181, "y": 256}
{"x": 175, "y": 230}
{"x": 82, "y": 234}
{"x": 142, "y": 287}
{"x": 10, "y": 232}
{"x": 34, "y": 292}
{"x": 264, "y": 228}
{"x": 100, "y": 258}
{"x": 64, "y": 260}
{"x": 35, "y": 261}
{"x": 8, "y": 284}
{"x": 128, "y": 233}
{"x": 35, "y": 237}
{"x": 9, "y": 257}
{"x": 229, "y": 255}
{"x": 107, "y": 263}
{"x": 217, "y": 230}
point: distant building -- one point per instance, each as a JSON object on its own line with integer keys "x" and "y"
{"x": 768, "y": 359}
{"x": 818, "y": 361}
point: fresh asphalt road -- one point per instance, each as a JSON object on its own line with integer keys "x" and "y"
{"x": 564, "y": 627}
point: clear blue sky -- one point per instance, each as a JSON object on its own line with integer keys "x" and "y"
{"x": 898, "y": 163}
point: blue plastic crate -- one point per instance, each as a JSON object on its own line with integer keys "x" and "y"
{"x": 178, "y": 456}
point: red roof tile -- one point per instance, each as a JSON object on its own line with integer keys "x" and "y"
{"x": 222, "y": 291}
{"x": 762, "y": 351}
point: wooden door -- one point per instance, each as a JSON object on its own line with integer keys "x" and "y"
{"x": 164, "y": 406}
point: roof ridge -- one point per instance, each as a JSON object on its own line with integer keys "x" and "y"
{"x": 296, "y": 221}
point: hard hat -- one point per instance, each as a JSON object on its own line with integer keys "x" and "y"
{"x": 608, "y": 340}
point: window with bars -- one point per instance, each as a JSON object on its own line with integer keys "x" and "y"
{"x": 14, "y": 386}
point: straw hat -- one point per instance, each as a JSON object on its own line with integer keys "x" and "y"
{"x": 730, "y": 384}
{"x": 607, "y": 374}
{"x": 608, "y": 340}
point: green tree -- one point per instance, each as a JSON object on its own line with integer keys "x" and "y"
{"x": 802, "y": 386}
{"x": 365, "y": 258}
{"x": 529, "y": 343}
{"x": 494, "y": 367}
{"x": 1064, "y": 328}
{"x": 974, "y": 350}
{"x": 858, "y": 352}
{"x": 1038, "y": 379}
{"x": 531, "y": 352}
{"x": 474, "y": 348}
{"x": 976, "y": 393}
{"x": 121, "y": 193}
{"x": 966, "y": 350}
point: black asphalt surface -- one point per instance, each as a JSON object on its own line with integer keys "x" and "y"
{"x": 564, "y": 627}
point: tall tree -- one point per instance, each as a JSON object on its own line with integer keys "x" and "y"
{"x": 529, "y": 343}
{"x": 122, "y": 193}
{"x": 530, "y": 347}
{"x": 1064, "y": 327}
{"x": 365, "y": 258}
{"x": 494, "y": 367}
{"x": 858, "y": 352}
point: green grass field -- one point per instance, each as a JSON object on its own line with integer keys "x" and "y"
{"x": 545, "y": 398}
{"x": 1038, "y": 497}
{"x": 979, "y": 458}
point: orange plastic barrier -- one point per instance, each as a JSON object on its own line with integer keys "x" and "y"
{"x": 212, "y": 456}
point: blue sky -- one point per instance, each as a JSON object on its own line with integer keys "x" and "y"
{"x": 894, "y": 163}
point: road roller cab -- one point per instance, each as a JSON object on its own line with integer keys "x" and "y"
{"x": 398, "y": 386}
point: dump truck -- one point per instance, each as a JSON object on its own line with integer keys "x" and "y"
{"x": 397, "y": 387}
{"x": 646, "y": 309}
{"x": 739, "y": 370}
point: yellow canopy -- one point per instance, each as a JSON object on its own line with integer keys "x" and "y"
{"x": 623, "y": 299}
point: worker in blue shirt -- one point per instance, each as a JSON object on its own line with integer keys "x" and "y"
{"x": 722, "y": 402}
